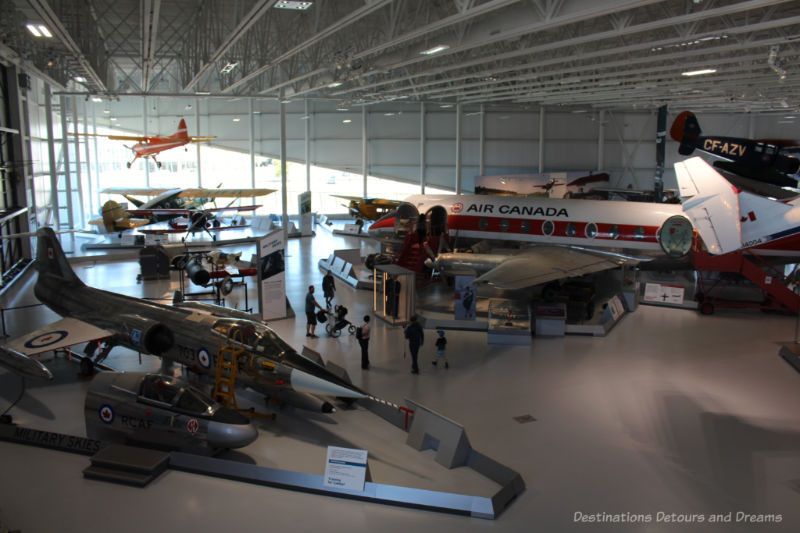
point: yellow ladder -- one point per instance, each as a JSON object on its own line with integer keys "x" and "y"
{"x": 227, "y": 360}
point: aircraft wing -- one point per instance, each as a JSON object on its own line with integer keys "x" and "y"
{"x": 135, "y": 192}
{"x": 138, "y": 138}
{"x": 546, "y": 263}
{"x": 711, "y": 203}
{"x": 17, "y": 354}
{"x": 224, "y": 193}
{"x": 61, "y": 334}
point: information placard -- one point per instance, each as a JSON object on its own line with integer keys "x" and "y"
{"x": 346, "y": 468}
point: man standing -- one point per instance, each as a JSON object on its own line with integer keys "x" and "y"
{"x": 328, "y": 288}
{"x": 416, "y": 338}
{"x": 363, "y": 340}
{"x": 311, "y": 318}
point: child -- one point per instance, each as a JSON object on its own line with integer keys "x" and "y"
{"x": 441, "y": 342}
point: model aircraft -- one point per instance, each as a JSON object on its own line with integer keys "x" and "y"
{"x": 555, "y": 239}
{"x": 759, "y": 159}
{"x": 161, "y": 410}
{"x": 148, "y": 147}
{"x": 369, "y": 208}
{"x": 192, "y": 336}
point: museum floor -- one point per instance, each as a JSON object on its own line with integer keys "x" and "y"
{"x": 671, "y": 412}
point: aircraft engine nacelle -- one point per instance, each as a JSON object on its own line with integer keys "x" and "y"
{"x": 148, "y": 335}
{"x": 197, "y": 273}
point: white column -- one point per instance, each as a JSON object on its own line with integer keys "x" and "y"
{"x": 308, "y": 145}
{"x": 458, "y": 149}
{"x": 422, "y": 181}
{"x": 144, "y": 132}
{"x": 364, "y": 147}
{"x": 601, "y": 141}
{"x": 481, "y": 143}
{"x": 197, "y": 123}
{"x": 284, "y": 181}
{"x": 541, "y": 140}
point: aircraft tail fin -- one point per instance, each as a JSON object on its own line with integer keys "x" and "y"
{"x": 711, "y": 203}
{"x": 685, "y": 130}
{"x": 50, "y": 257}
{"x": 182, "y": 132}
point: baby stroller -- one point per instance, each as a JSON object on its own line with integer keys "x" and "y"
{"x": 335, "y": 327}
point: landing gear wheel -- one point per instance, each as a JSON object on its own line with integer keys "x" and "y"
{"x": 129, "y": 165}
{"x": 706, "y": 308}
{"x": 699, "y": 297}
{"x": 87, "y": 367}
{"x": 351, "y": 329}
{"x": 158, "y": 163}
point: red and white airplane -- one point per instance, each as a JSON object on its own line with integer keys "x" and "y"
{"x": 556, "y": 239}
{"x": 148, "y": 147}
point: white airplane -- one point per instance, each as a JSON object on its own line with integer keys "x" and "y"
{"x": 557, "y": 239}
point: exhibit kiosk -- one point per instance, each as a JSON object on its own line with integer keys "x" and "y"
{"x": 393, "y": 293}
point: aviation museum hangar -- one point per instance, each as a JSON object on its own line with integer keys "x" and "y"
{"x": 551, "y": 245}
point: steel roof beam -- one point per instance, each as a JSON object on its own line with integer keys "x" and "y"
{"x": 150, "y": 13}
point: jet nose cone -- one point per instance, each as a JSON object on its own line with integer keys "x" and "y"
{"x": 223, "y": 435}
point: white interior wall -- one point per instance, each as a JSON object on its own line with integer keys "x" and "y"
{"x": 511, "y": 142}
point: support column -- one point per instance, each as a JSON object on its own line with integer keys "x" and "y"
{"x": 96, "y": 160}
{"x": 51, "y": 152}
{"x": 67, "y": 174}
{"x": 144, "y": 132}
{"x": 481, "y": 142}
{"x": 197, "y": 123}
{"x": 422, "y": 180}
{"x": 78, "y": 173}
{"x": 89, "y": 184}
{"x": 308, "y": 145}
{"x": 601, "y": 141}
{"x": 252, "y": 145}
{"x": 541, "y": 140}
{"x": 284, "y": 181}
{"x": 364, "y": 169}
{"x": 458, "y": 149}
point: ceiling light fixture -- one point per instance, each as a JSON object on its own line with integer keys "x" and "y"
{"x": 79, "y": 79}
{"x": 334, "y": 84}
{"x": 34, "y": 31}
{"x": 435, "y": 50}
{"x": 44, "y": 31}
{"x": 202, "y": 93}
{"x": 236, "y": 119}
{"x": 699, "y": 72}
{"x": 293, "y": 4}
{"x": 96, "y": 99}
{"x": 346, "y": 121}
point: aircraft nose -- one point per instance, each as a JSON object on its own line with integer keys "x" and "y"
{"x": 231, "y": 435}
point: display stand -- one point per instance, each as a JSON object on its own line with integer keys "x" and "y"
{"x": 393, "y": 293}
{"x": 509, "y": 322}
{"x": 551, "y": 320}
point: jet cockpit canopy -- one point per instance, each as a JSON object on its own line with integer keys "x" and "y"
{"x": 258, "y": 337}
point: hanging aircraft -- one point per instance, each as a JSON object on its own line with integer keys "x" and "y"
{"x": 168, "y": 205}
{"x": 759, "y": 159}
{"x": 149, "y": 146}
{"x": 369, "y": 208}
{"x": 552, "y": 239}
{"x": 191, "y": 336}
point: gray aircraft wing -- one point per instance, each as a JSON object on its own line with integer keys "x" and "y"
{"x": 541, "y": 264}
{"x": 16, "y": 355}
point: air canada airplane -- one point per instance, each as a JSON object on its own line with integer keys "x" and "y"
{"x": 550, "y": 239}
{"x": 148, "y": 147}
{"x": 192, "y": 336}
{"x": 759, "y": 159}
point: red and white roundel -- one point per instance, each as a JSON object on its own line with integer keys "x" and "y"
{"x": 204, "y": 358}
{"x": 106, "y": 413}
{"x": 192, "y": 426}
{"x": 457, "y": 207}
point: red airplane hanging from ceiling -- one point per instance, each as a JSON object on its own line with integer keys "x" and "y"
{"x": 148, "y": 147}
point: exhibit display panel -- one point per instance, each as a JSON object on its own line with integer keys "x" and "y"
{"x": 393, "y": 296}
{"x": 509, "y": 322}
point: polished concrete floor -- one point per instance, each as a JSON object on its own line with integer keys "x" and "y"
{"x": 671, "y": 412}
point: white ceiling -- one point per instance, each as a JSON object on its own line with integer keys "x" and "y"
{"x": 616, "y": 54}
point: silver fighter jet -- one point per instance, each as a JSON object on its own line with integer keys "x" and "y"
{"x": 190, "y": 336}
